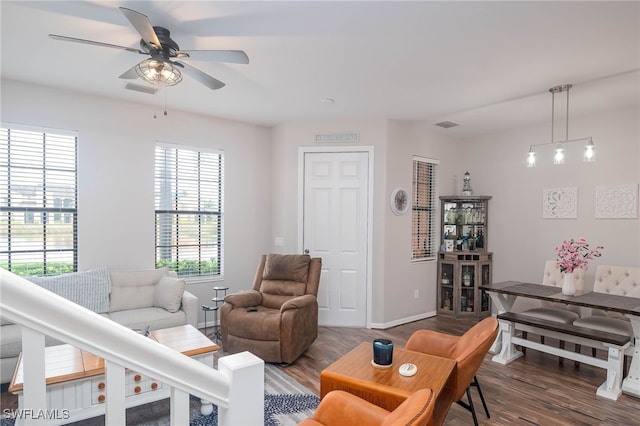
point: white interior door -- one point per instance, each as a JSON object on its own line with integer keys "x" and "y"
{"x": 335, "y": 227}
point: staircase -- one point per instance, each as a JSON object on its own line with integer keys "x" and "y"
{"x": 236, "y": 387}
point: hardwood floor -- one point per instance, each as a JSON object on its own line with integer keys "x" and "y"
{"x": 534, "y": 390}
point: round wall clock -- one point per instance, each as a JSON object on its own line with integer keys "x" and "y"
{"x": 399, "y": 201}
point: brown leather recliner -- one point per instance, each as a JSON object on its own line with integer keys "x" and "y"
{"x": 468, "y": 350}
{"x": 277, "y": 320}
{"x": 343, "y": 409}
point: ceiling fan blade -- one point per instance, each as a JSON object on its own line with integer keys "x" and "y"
{"x": 130, "y": 74}
{"x": 233, "y": 56}
{"x": 142, "y": 24}
{"x": 202, "y": 77}
{"x": 95, "y": 43}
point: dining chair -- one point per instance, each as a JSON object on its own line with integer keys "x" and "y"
{"x": 341, "y": 408}
{"x": 616, "y": 280}
{"x": 557, "y": 312}
{"x": 468, "y": 350}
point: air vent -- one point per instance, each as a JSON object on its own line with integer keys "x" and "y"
{"x": 139, "y": 88}
{"x": 447, "y": 124}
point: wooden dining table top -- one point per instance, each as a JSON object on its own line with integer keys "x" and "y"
{"x": 588, "y": 299}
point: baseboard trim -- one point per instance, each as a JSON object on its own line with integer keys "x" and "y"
{"x": 383, "y": 326}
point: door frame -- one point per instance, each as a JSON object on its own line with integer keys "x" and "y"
{"x": 342, "y": 150}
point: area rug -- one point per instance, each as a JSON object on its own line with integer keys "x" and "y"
{"x": 286, "y": 402}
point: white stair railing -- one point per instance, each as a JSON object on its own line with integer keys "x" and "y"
{"x": 237, "y": 387}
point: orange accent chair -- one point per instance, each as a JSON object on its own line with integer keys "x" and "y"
{"x": 468, "y": 350}
{"x": 343, "y": 409}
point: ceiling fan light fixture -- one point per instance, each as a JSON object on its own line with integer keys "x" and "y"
{"x": 159, "y": 73}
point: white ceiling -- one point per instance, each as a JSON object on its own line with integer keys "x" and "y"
{"x": 485, "y": 65}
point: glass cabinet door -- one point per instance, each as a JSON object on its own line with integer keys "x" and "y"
{"x": 447, "y": 277}
{"x": 485, "y": 277}
{"x": 467, "y": 287}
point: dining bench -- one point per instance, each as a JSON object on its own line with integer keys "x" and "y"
{"x": 615, "y": 345}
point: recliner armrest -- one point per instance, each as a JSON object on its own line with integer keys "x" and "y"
{"x": 244, "y": 299}
{"x": 298, "y": 302}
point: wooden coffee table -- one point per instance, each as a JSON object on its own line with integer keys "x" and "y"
{"x": 386, "y": 388}
{"x": 75, "y": 381}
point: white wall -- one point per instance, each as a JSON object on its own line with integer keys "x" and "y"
{"x": 287, "y": 139}
{"x": 116, "y": 176}
{"x": 401, "y": 276}
{"x": 394, "y": 276}
{"x": 116, "y": 141}
{"x": 519, "y": 237}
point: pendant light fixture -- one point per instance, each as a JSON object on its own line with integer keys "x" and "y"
{"x": 559, "y": 154}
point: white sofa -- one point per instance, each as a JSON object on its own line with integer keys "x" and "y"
{"x": 135, "y": 299}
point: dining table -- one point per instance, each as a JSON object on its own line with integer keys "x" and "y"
{"x": 504, "y": 295}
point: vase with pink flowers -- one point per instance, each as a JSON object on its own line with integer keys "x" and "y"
{"x": 571, "y": 255}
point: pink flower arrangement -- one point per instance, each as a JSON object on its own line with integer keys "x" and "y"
{"x": 574, "y": 254}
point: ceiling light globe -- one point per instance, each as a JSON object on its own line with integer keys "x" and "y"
{"x": 589, "y": 153}
{"x": 558, "y": 157}
{"x": 531, "y": 159}
{"x": 159, "y": 73}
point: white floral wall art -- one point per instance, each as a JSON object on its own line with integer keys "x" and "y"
{"x": 617, "y": 201}
{"x": 560, "y": 203}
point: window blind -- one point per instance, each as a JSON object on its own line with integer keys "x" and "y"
{"x": 188, "y": 210}
{"x": 38, "y": 201}
{"x": 424, "y": 208}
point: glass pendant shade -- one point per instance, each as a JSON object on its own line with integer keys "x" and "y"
{"x": 531, "y": 159}
{"x": 589, "y": 153}
{"x": 558, "y": 156}
{"x": 159, "y": 73}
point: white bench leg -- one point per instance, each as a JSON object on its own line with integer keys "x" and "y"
{"x": 503, "y": 303}
{"x": 631, "y": 383}
{"x": 611, "y": 388}
{"x": 508, "y": 353}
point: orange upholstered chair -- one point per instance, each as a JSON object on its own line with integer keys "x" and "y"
{"x": 468, "y": 350}
{"x": 344, "y": 409}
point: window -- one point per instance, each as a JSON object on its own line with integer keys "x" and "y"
{"x": 424, "y": 209}
{"x": 188, "y": 203}
{"x": 38, "y": 209}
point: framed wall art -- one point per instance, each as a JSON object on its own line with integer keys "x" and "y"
{"x": 560, "y": 203}
{"x": 617, "y": 201}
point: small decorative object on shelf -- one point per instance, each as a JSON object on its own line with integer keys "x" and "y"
{"x": 466, "y": 278}
{"x": 571, "y": 255}
{"x": 466, "y": 188}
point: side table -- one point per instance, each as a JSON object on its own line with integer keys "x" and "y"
{"x": 217, "y": 299}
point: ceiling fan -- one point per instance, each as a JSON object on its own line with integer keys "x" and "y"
{"x": 164, "y": 66}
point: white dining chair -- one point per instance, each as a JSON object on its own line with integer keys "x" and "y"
{"x": 557, "y": 312}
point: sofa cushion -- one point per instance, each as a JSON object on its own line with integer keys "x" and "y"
{"x": 134, "y": 289}
{"x": 168, "y": 293}
{"x": 155, "y": 318}
{"x": 86, "y": 288}
{"x": 11, "y": 342}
